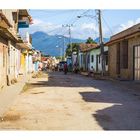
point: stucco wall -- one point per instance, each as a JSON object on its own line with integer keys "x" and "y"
{"x": 124, "y": 73}
{"x": 112, "y": 60}
{"x": 3, "y": 62}
{"x": 9, "y": 15}
{"x": 14, "y": 60}
{"x": 95, "y": 52}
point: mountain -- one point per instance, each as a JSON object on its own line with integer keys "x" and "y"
{"x": 47, "y": 43}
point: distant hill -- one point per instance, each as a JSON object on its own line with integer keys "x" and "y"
{"x": 47, "y": 43}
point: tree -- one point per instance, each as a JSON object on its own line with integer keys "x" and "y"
{"x": 90, "y": 40}
{"x": 58, "y": 57}
{"x": 75, "y": 48}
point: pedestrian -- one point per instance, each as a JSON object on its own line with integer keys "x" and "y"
{"x": 75, "y": 69}
{"x": 65, "y": 68}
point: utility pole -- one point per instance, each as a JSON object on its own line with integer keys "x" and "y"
{"x": 64, "y": 47}
{"x": 69, "y": 26}
{"x": 61, "y": 53}
{"x": 100, "y": 37}
{"x": 101, "y": 42}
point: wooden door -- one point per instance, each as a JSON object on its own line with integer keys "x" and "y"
{"x": 137, "y": 63}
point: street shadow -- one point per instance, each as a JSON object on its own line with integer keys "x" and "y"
{"x": 119, "y": 106}
{"x": 59, "y": 79}
{"x": 116, "y": 113}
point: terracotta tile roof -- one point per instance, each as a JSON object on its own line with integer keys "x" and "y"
{"x": 44, "y": 58}
{"x": 87, "y": 47}
{"x": 124, "y": 34}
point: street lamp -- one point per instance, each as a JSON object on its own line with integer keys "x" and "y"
{"x": 69, "y": 26}
{"x": 63, "y": 45}
{"x": 91, "y": 16}
{"x": 60, "y": 51}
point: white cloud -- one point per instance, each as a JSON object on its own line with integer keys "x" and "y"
{"x": 85, "y": 30}
{"x": 82, "y": 31}
{"x": 39, "y": 25}
{"x": 137, "y": 20}
{"x": 37, "y": 22}
{"x": 88, "y": 26}
{"x": 124, "y": 26}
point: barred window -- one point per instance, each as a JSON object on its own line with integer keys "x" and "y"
{"x": 92, "y": 58}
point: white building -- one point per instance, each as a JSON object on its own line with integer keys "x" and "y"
{"x": 90, "y": 57}
{"x": 95, "y": 59}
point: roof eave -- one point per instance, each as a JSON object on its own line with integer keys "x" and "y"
{"x": 121, "y": 38}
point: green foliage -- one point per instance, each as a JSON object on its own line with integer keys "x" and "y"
{"x": 90, "y": 40}
{"x": 60, "y": 57}
{"x": 45, "y": 55}
{"x": 75, "y": 48}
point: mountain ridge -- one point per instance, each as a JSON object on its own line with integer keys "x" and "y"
{"x": 47, "y": 43}
{"x": 53, "y": 44}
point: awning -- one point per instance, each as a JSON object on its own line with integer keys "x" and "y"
{"x": 23, "y": 45}
{"x": 6, "y": 33}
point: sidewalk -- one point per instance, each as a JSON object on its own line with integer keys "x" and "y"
{"x": 131, "y": 85}
{"x": 9, "y": 93}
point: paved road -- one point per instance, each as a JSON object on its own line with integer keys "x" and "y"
{"x": 73, "y": 102}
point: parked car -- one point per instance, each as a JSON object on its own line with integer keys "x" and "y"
{"x": 61, "y": 65}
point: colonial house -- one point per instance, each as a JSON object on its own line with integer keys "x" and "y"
{"x": 124, "y": 54}
{"x": 95, "y": 59}
{"x": 24, "y": 20}
{"x": 90, "y": 57}
{"x": 84, "y": 56}
{"x": 36, "y": 60}
{"x": 10, "y": 50}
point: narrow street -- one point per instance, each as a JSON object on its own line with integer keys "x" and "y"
{"x": 56, "y": 101}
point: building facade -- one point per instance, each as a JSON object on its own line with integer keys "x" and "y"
{"x": 124, "y": 54}
{"x": 90, "y": 57}
{"x": 10, "y": 50}
{"x": 95, "y": 59}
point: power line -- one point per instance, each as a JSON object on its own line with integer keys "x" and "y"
{"x": 107, "y": 25}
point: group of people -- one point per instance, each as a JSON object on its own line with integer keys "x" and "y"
{"x": 75, "y": 68}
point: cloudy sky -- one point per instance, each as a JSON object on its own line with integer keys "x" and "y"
{"x": 113, "y": 21}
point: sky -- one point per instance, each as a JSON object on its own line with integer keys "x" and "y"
{"x": 113, "y": 21}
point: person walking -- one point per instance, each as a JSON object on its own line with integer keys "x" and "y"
{"x": 65, "y": 68}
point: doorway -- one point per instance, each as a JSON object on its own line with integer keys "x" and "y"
{"x": 137, "y": 63}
